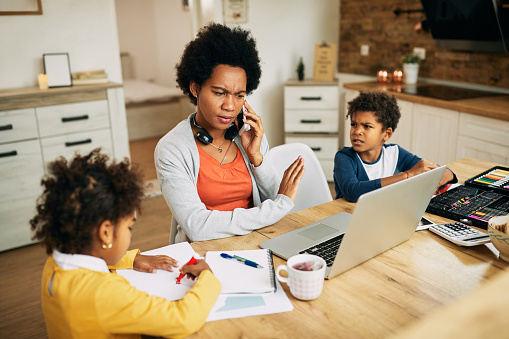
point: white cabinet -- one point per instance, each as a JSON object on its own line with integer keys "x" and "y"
{"x": 84, "y": 142}
{"x": 403, "y": 133}
{"x": 36, "y": 128}
{"x": 77, "y": 127}
{"x": 483, "y": 138}
{"x": 435, "y": 133}
{"x": 311, "y": 117}
{"x": 21, "y": 169}
{"x": 17, "y": 125}
{"x": 71, "y": 118}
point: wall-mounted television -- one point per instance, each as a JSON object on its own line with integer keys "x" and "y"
{"x": 468, "y": 25}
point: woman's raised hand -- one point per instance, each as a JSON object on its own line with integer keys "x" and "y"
{"x": 291, "y": 179}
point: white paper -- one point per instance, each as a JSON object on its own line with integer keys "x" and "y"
{"x": 236, "y": 277}
{"x": 163, "y": 283}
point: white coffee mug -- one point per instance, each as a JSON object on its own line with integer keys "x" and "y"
{"x": 304, "y": 285}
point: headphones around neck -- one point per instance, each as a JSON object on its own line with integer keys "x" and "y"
{"x": 204, "y": 136}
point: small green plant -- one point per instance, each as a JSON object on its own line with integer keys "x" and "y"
{"x": 410, "y": 59}
{"x": 300, "y": 69}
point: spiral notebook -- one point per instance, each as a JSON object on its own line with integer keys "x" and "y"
{"x": 236, "y": 277}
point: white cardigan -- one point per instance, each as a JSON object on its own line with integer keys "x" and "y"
{"x": 177, "y": 163}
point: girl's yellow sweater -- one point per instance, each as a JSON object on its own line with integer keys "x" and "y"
{"x": 90, "y": 303}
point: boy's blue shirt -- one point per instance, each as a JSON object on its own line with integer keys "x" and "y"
{"x": 350, "y": 177}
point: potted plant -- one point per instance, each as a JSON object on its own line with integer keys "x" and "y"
{"x": 410, "y": 67}
{"x": 300, "y": 70}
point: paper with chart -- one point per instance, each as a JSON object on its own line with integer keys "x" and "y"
{"x": 230, "y": 306}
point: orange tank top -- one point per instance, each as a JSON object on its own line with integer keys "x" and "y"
{"x": 224, "y": 187}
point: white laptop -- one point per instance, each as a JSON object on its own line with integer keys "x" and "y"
{"x": 382, "y": 219}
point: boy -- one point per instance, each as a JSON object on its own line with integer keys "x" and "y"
{"x": 370, "y": 163}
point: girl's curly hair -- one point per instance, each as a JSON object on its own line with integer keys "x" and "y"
{"x": 384, "y": 107}
{"x": 217, "y": 44}
{"x": 79, "y": 195}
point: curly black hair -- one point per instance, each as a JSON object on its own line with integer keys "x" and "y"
{"x": 217, "y": 44}
{"x": 385, "y": 108}
{"x": 79, "y": 195}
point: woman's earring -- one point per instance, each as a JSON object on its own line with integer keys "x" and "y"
{"x": 107, "y": 246}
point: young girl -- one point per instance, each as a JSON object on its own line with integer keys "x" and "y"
{"x": 84, "y": 218}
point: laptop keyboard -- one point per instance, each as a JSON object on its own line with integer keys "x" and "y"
{"x": 326, "y": 250}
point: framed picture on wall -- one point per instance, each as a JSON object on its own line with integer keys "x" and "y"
{"x": 20, "y": 7}
{"x": 57, "y": 69}
{"x": 235, "y": 11}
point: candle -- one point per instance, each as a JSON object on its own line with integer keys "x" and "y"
{"x": 43, "y": 81}
{"x": 383, "y": 76}
{"x": 397, "y": 76}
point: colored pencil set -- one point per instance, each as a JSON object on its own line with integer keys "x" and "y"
{"x": 497, "y": 177}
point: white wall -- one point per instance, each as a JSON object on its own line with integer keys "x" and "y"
{"x": 137, "y": 36}
{"x": 154, "y": 32}
{"x": 174, "y": 31}
{"x": 284, "y": 31}
{"x": 85, "y": 29}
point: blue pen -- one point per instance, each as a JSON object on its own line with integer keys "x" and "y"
{"x": 241, "y": 260}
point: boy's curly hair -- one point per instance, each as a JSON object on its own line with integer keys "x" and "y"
{"x": 217, "y": 44}
{"x": 384, "y": 107}
{"x": 79, "y": 195}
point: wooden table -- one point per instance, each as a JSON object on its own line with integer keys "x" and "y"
{"x": 376, "y": 299}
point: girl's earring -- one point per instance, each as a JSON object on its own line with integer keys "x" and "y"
{"x": 107, "y": 246}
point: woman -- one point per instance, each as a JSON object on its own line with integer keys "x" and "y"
{"x": 218, "y": 183}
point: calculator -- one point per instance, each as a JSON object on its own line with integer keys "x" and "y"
{"x": 460, "y": 234}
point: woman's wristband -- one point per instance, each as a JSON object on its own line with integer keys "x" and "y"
{"x": 407, "y": 174}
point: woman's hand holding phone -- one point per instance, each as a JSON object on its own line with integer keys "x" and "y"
{"x": 252, "y": 138}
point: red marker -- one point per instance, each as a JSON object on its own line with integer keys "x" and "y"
{"x": 190, "y": 262}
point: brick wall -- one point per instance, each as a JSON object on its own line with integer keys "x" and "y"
{"x": 373, "y": 23}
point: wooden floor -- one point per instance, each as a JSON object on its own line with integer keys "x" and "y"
{"x": 142, "y": 154}
{"x": 20, "y": 303}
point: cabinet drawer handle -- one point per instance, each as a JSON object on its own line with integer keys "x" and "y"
{"x": 6, "y": 127}
{"x": 316, "y": 149}
{"x": 317, "y": 121}
{"x": 311, "y": 98}
{"x": 80, "y": 117}
{"x": 81, "y": 142}
{"x": 8, "y": 154}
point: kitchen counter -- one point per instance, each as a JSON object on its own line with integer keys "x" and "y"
{"x": 496, "y": 107}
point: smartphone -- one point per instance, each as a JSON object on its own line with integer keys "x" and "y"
{"x": 240, "y": 122}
